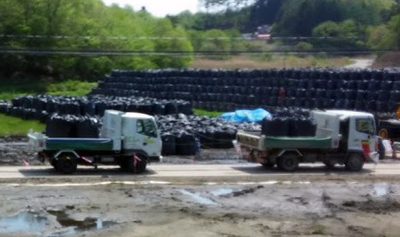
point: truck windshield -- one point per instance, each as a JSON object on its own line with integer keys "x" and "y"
{"x": 147, "y": 127}
{"x": 365, "y": 126}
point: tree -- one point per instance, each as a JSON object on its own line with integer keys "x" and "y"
{"x": 386, "y": 36}
{"x": 300, "y": 17}
{"x": 216, "y": 41}
{"x": 78, "y": 18}
{"x": 265, "y": 12}
{"x": 378, "y": 37}
{"x": 327, "y": 29}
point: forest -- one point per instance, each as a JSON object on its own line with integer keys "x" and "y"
{"x": 90, "y": 25}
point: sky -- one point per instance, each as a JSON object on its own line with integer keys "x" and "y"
{"x": 159, "y": 8}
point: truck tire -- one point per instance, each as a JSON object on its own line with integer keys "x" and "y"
{"x": 53, "y": 163}
{"x": 66, "y": 164}
{"x": 355, "y": 162}
{"x": 288, "y": 162}
{"x": 330, "y": 164}
{"x": 132, "y": 166}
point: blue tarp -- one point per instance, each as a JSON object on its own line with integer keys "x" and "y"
{"x": 241, "y": 116}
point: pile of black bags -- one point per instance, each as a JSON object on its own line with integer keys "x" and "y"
{"x": 289, "y": 127}
{"x": 71, "y": 126}
{"x": 181, "y": 134}
{"x": 372, "y": 90}
{"x": 41, "y": 107}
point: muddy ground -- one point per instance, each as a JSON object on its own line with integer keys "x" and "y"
{"x": 264, "y": 209}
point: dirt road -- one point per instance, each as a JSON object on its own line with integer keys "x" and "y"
{"x": 361, "y": 63}
{"x": 206, "y": 172}
{"x": 320, "y": 208}
{"x": 201, "y": 200}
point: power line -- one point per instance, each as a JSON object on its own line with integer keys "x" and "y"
{"x": 13, "y": 36}
{"x": 95, "y": 53}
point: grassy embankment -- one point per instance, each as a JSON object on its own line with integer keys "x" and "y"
{"x": 269, "y": 61}
{"x": 16, "y": 126}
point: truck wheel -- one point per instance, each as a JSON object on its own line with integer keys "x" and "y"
{"x": 67, "y": 164}
{"x": 268, "y": 165}
{"x": 123, "y": 163}
{"x": 136, "y": 165}
{"x": 53, "y": 163}
{"x": 330, "y": 164}
{"x": 355, "y": 162}
{"x": 288, "y": 162}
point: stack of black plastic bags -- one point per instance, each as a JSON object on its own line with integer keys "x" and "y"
{"x": 372, "y": 90}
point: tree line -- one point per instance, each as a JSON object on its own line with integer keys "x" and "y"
{"x": 357, "y": 24}
{"x": 79, "y": 18}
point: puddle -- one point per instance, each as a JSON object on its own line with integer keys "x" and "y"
{"x": 72, "y": 226}
{"x": 381, "y": 189}
{"x": 199, "y": 199}
{"x": 223, "y": 191}
{"x": 24, "y": 222}
{"x": 39, "y": 225}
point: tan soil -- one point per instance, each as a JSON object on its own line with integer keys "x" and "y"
{"x": 387, "y": 60}
{"x": 328, "y": 208}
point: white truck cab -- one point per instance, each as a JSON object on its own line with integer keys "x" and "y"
{"x": 132, "y": 132}
{"x": 358, "y": 130}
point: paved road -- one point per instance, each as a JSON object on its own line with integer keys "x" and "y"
{"x": 196, "y": 171}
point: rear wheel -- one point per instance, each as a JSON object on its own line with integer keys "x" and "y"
{"x": 355, "y": 162}
{"x": 66, "y": 163}
{"x": 288, "y": 162}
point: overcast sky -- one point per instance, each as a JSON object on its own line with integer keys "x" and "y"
{"x": 160, "y": 8}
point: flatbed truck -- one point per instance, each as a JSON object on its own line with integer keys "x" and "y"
{"x": 342, "y": 137}
{"x": 130, "y": 140}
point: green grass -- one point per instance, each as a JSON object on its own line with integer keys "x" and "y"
{"x": 71, "y": 87}
{"x": 207, "y": 113}
{"x": 11, "y": 90}
{"x": 16, "y": 126}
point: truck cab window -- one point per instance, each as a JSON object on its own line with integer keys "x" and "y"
{"x": 365, "y": 126}
{"x": 147, "y": 127}
{"x": 139, "y": 126}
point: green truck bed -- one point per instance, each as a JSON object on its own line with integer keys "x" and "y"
{"x": 297, "y": 143}
{"x": 55, "y": 144}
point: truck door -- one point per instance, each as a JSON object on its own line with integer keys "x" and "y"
{"x": 362, "y": 135}
{"x": 147, "y": 137}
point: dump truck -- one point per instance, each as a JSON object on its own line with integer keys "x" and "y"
{"x": 342, "y": 137}
{"x": 130, "y": 140}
